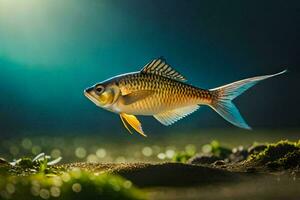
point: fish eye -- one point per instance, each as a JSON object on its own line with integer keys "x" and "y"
{"x": 99, "y": 89}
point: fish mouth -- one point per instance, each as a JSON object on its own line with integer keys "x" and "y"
{"x": 90, "y": 97}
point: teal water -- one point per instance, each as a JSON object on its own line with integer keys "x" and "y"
{"x": 52, "y": 50}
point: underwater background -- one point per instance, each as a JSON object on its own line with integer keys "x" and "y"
{"x": 56, "y": 144}
{"x": 50, "y": 51}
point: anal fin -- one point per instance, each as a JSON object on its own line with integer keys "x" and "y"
{"x": 171, "y": 116}
{"x": 133, "y": 122}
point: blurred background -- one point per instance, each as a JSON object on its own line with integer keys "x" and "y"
{"x": 51, "y": 50}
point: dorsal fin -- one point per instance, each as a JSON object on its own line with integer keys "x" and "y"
{"x": 160, "y": 67}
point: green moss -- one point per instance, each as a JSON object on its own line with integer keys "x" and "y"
{"x": 183, "y": 156}
{"x": 218, "y": 150}
{"x": 283, "y": 154}
{"x": 73, "y": 185}
{"x": 212, "y": 149}
{"x": 27, "y": 166}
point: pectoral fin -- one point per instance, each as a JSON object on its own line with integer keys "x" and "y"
{"x": 136, "y": 96}
{"x": 133, "y": 122}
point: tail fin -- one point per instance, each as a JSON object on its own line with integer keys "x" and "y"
{"x": 224, "y": 95}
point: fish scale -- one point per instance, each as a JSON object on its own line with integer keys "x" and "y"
{"x": 168, "y": 94}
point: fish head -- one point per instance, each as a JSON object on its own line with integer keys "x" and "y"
{"x": 103, "y": 94}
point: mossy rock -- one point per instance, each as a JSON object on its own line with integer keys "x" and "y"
{"x": 282, "y": 155}
{"x": 290, "y": 160}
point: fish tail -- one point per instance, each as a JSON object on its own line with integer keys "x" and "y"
{"x": 223, "y": 96}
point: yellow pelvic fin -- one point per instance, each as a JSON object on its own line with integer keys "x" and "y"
{"x": 133, "y": 122}
{"x": 124, "y": 123}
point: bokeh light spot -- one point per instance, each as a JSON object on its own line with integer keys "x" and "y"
{"x": 101, "y": 153}
{"x": 76, "y": 187}
{"x": 55, "y": 153}
{"x": 26, "y": 143}
{"x": 161, "y": 156}
{"x": 65, "y": 177}
{"x": 92, "y": 158}
{"x": 36, "y": 149}
{"x": 80, "y": 152}
{"x": 44, "y": 193}
{"x": 10, "y": 188}
{"x": 170, "y": 153}
{"x": 55, "y": 191}
{"x": 127, "y": 184}
{"x": 14, "y": 150}
{"x": 147, "y": 151}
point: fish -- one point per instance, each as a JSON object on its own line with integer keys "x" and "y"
{"x": 160, "y": 91}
